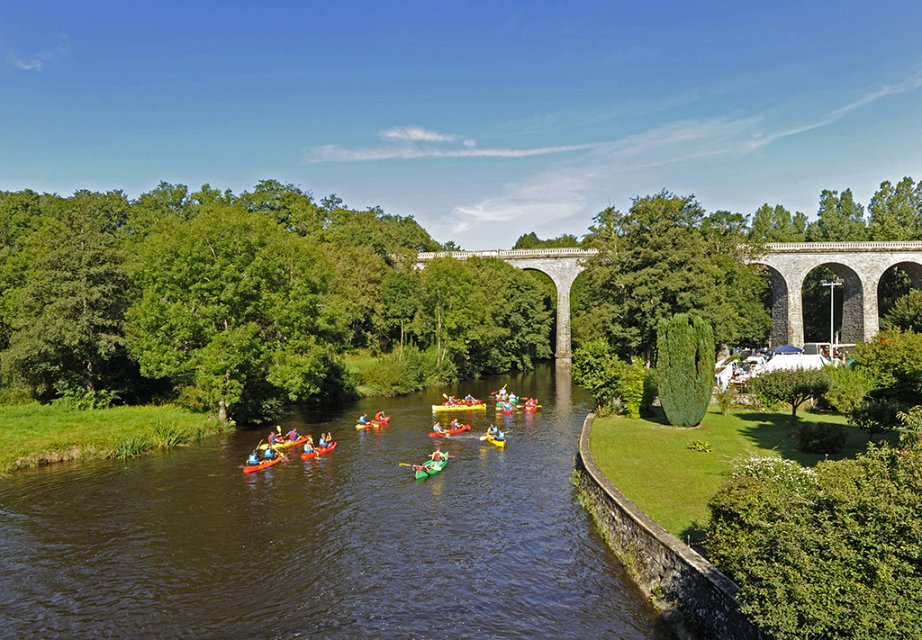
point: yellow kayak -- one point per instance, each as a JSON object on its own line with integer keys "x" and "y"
{"x": 496, "y": 443}
{"x": 459, "y": 407}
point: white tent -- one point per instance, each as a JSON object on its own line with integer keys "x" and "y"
{"x": 794, "y": 361}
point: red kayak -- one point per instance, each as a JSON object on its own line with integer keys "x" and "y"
{"x": 373, "y": 424}
{"x": 263, "y": 464}
{"x": 450, "y": 432}
{"x": 318, "y": 452}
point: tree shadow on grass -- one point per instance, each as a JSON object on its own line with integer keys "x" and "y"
{"x": 778, "y": 432}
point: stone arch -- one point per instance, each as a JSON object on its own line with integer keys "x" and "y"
{"x": 781, "y": 303}
{"x": 562, "y": 273}
{"x": 884, "y": 284}
{"x": 852, "y": 327}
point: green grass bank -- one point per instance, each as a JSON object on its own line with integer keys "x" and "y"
{"x": 33, "y": 434}
{"x": 657, "y": 467}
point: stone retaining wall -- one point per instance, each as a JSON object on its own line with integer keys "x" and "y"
{"x": 697, "y": 599}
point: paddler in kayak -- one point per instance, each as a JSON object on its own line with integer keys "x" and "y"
{"x": 454, "y": 424}
{"x": 492, "y": 431}
{"x": 438, "y": 428}
{"x": 500, "y": 435}
{"x": 273, "y": 439}
{"x": 437, "y": 455}
{"x": 469, "y": 399}
{"x": 363, "y": 419}
{"x": 270, "y": 453}
{"x": 292, "y": 435}
{"x": 253, "y": 458}
{"x": 379, "y": 417}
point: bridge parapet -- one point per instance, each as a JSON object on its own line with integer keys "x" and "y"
{"x": 842, "y": 247}
{"x": 510, "y": 254}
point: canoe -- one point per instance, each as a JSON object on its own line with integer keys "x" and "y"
{"x": 377, "y": 424}
{"x": 318, "y": 452}
{"x": 288, "y": 444}
{"x": 373, "y": 424}
{"x": 497, "y": 443}
{"x": 431, "y": 468}
{"x": 459, "y": 407}
{"x": 263, "y": 464}
{"x": 450, "y": 432}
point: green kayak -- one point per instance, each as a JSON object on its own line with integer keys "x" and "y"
{"x": 430, "y": 468}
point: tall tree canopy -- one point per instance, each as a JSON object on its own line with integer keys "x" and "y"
{"x": 66, "y": 315}
{"x": 665, "y": 256}
{"x": 232, "y": 310}
{"x": 840, "y": 219}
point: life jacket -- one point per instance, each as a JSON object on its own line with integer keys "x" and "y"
{"x": 363, "y": 420}
{"x": 322, "y": 443}
{"x": 270, "y": 453}
{"x": 292, "y": 435}
{"x": 273, "y": 439}
{"x": 501, "y": 435}
{"x": 253, "y": 459}
{"x": 308, "y": 448}
{"x": 493, "y": 430}
{"x": 379, "y": 416}
{"x": 437, "y": 428}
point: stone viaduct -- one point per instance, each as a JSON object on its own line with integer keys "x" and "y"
{"x": 860, "y": 265}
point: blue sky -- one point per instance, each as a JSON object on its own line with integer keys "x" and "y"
{"x": 483, "y": 120}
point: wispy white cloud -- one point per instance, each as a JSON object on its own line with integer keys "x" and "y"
{"x": 36, "y": 62}
{"x": 565, "y": 189}
{"x": 417, "y": 134}
{"x": 334, "y": 153}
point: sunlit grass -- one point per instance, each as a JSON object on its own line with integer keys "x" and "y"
{"x": 33, "y": 434}
{"x": 657, "y": 467}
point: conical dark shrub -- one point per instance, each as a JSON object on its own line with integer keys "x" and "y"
{"x": 685, "y": 368}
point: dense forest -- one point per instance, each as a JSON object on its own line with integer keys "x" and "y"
{"x": 243, "y": 303}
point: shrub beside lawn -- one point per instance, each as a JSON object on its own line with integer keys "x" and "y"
{"x": 666, "y": 471}
{"x": 33, "y": 434}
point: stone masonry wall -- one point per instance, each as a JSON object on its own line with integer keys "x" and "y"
{"x": 698, "y": 600}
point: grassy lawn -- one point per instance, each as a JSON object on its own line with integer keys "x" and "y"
{"x": 651, "y": 462}
{"x": 35, "y": 434}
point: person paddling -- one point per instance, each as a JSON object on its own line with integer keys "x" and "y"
{"x": 292, "y": 435}
{"x": 253, "y": 458}
{"x": 438, "y": 428}
{"x": 379, "y": 417}
{"x": 437, "y": 455}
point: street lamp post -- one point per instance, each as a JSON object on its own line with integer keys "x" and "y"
{"x": 832, "y": 284}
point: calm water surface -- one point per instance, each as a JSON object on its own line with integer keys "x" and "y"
{"x": 348, "y": 546}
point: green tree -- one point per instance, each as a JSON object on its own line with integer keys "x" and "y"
{"x": 775, "y": 224}
{"x": 233, "y": 312}
{"x": 840, "y": 219}
{"x": 896, "y": 212}
{"x": 67, "y": 329}
{"x": 685, "y": 368}
{"x": 792, "y": 387}
{"x": 532, "y": 241}
{"x": 906, "y": 313}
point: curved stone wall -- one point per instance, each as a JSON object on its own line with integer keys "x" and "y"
{"x": 697, "y": 599}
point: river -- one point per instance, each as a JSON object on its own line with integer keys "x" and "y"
{"x": 182, "y": 544}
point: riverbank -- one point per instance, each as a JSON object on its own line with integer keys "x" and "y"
{"x": 33, "y": 435}
{"x": 670, "y": 473}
